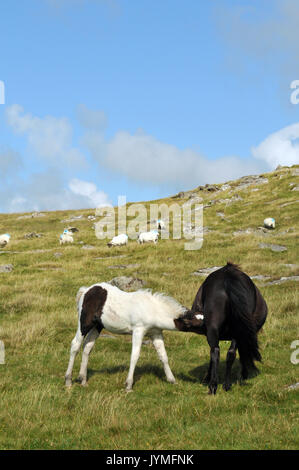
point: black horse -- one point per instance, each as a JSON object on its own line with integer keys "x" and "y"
{"x": 228, "y": 306}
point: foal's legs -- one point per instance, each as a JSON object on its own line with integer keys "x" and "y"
{"x": 75, "y": 347}
{"x": 158, "y": 343}
{"x": 89, "y": 341}
{"x": 137, "y": 337}
{"x": 230, "y": 357}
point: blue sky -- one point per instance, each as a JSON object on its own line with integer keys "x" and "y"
{"x": 142, "y": 98}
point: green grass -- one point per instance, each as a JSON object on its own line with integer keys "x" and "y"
{"x": 38, "y": 321}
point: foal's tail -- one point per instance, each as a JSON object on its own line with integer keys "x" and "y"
{"x": 242, "y": 298}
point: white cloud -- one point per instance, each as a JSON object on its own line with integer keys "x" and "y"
{"x": 10, "y": 163}
{"x": 90, "y": 192}
{"x": 49, "y": 137}
{"x": 91, "y": 119}
{"x": 47, "y": 191}
{"x": 280, "y": 148}
{"x": 142, "y": 158}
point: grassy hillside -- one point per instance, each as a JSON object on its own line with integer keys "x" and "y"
{"x": 38, "y": 321}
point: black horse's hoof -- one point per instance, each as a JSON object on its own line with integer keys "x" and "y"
{"x": 226, "y": 387}
{"x": 212, "y": 389}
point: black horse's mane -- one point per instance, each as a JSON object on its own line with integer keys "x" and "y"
{"x": 229, "y": 264}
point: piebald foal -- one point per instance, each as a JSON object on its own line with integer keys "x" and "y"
{"x": 138, "y": 313}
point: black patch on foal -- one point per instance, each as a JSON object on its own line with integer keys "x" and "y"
{"x": 92, "y": 309}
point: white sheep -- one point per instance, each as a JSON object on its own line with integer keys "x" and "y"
{"x": 160, "y": 224}
{"x": 4, "y": 239}
{"x": 66, "y": 237}
{"x": 152, "y": 236}
{"x": 119, "y": 240}
{"x": 269, "y": 222}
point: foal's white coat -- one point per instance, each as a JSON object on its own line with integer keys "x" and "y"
{"x": 138, "y": 313}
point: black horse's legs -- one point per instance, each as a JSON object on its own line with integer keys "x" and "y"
{"x": 213, "y": 340}
{"x": 207, "y": 377}
{"x": 230, "y": 357}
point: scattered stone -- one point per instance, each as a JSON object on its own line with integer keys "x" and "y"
{"x": 57, "y": 255}
{"x": 6, "y": 268}
{"x": 87, "y": 247}
{"x": 225, "y": 187}
{"x": 251, "y": 180}
{"x": 292, "y": 266}
{"x": 282, "y": 280}
{"x": 229, "y": 201}
{"x": 193, "y": 231}
{"x": 124, "y": 266}
{"x": 296, "y": 188}
{"x": 37, "y": 251}
{"x": 73, "y": 218}
{"x": 272, "y": 247}
{"x": 30, "y": 216}
{"x": 206, "y": 271}
{"x": 289, "y": 203}
{"x": 195, "y": 200}
{"x": 295, "y": 171}
{"x": 288, "y": 230}
{"x": 127, "y": 283}
{"x": 260, "y": 277}
{"x": 185, "y": 194}
{"x": 33, "y": 235}
{"x": 211, "y": 187}
{"x": 109, "y": 257}
{"x": 293, "y": 386}
{"x": 209, "y": 204}
{"x": 251, "y": 231}
{"x": 91, "y": 217}
{"x": 220, "y": 214}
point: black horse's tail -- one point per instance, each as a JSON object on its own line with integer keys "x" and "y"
{"x": 242, "y": 298}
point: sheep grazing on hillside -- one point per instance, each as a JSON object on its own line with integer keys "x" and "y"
{"x": 66, "y": 237}
{"x": 269, "y": 222}
{"x": 160, "y": 224}
{"x": 4, "y": 240}
{"x": 152, "y": 236}
{"x": 119, "y": 240}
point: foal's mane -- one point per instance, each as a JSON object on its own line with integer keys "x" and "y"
{"x": 165, "y": 299}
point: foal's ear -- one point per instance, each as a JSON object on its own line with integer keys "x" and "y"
{"x": 180, "y": 324}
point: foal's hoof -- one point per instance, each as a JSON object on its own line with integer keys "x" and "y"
{"x": 129, "y": 386}
{"x": 68, "y": 381}
{"x": 172, "y": 381}
{"x": 82, "y": 380}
